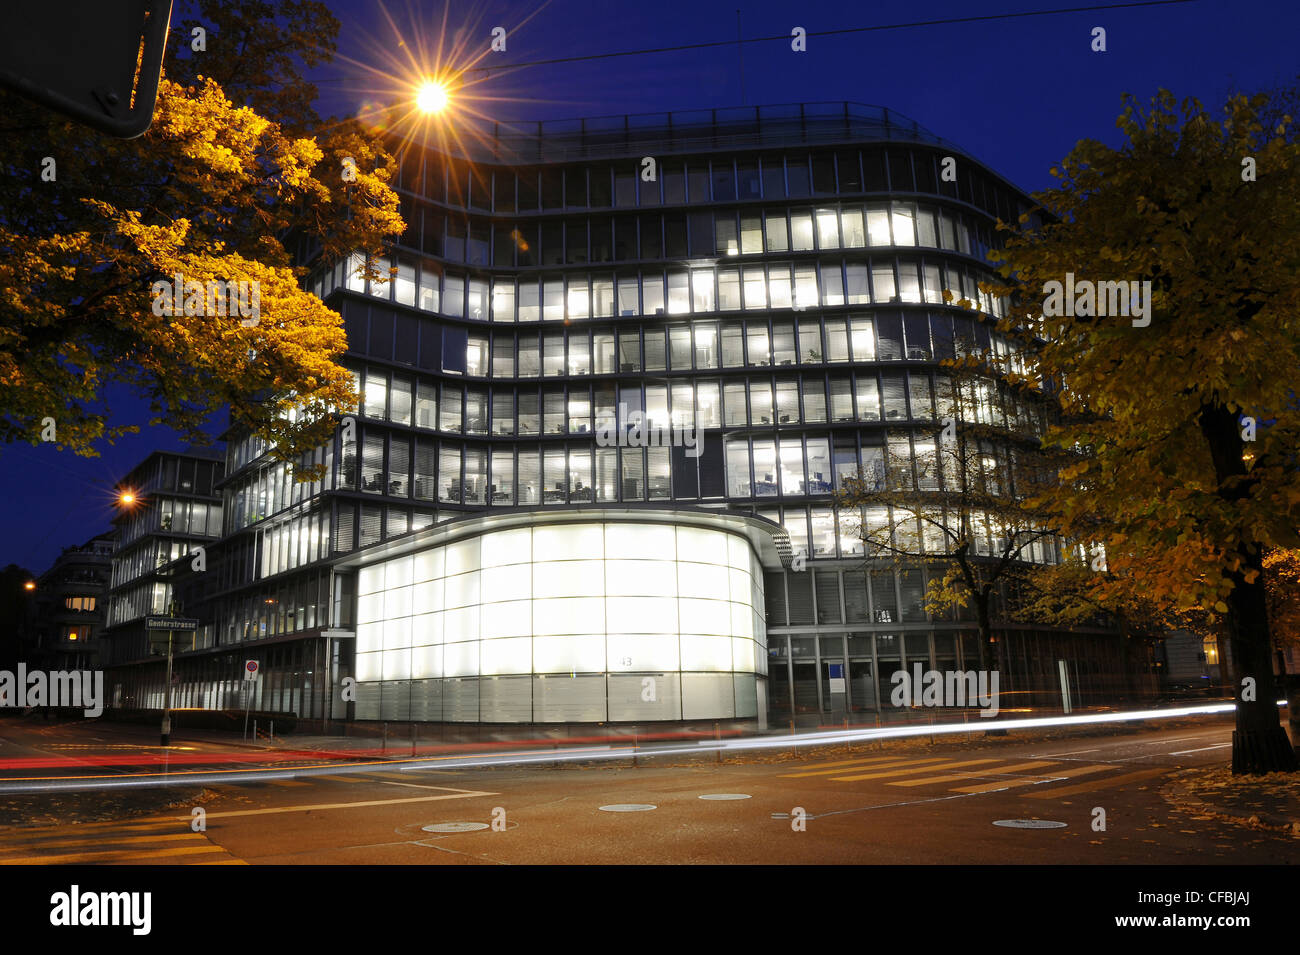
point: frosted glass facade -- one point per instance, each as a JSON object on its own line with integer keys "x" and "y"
{"x": 590, "y": 621}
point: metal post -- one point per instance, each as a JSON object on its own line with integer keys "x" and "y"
{"x": 272, "y": 737}
{"x": 412, "y": 737}
{"x": 247, "y": 702}
{"x": 167, "y": 696}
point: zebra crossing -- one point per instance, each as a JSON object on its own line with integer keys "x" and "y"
{"x": 159, "y": 841}
{"x": 1039, "y": 778}
{"x": 166, "y": 841}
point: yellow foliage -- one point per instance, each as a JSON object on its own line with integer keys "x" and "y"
{"x": 210, "y": 193}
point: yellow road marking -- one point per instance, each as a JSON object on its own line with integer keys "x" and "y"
{"x": 135, "y": 826}
{"x": 110, "y": 856}
{"x": 950, "y": 778}
{"x": 1106, "y": 783}
{"x": 98, "y": 840}
{"x": 909, "y": 772}
{"x": 893, "y": 761}
{"x": 454, "y": 794}
{"x": 1081, "y": 770}
{"x": 955, "y": 777}
{"x": 341, "y": 779}
{"x": 1007, "y": 783}
{"x": 287, "y": 782}
{"x": 850, "y": 762}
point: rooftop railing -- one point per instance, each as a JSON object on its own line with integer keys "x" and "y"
{"x": 686, "y": 131}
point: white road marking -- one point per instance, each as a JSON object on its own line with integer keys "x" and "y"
{"x": 1129, "y": 759}
{"x": 1071, "y": 753}
{"x": 1174, "y": 739}
{"x": 385, "y": 782}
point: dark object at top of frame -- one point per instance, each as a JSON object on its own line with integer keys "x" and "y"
{"x": 97, "y": 61}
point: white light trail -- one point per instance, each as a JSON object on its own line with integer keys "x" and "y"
{"x": 595, "y": 753}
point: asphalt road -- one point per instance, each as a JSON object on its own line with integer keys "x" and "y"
{"x": 891, "y": 803}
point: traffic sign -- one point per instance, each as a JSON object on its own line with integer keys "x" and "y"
{"x": 250, "y": 669}
{"x": 171, "y": 623}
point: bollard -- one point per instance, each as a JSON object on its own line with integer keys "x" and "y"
{"x": 385, "y": 746}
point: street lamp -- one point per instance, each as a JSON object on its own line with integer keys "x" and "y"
{"x": 30, "y": 585}
{"x": 432, "y": 97}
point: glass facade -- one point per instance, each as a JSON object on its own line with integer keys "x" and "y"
{"x": 786, "y": 286}
{"x": 588, "y": 622}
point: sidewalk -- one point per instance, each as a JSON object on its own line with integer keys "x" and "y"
{"x": 1271, "y": 800}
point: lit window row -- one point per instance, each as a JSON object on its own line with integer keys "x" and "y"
{"x": 149, "y": 556}
{"x": 294, "y": 542}
{"x": 827, "y": 532}
{"x": 754, "y": 467}
{"x": 700, "y": 234}
{"x": 685, "y": 403}
{"x": 178, "y": 516}
{"x": 706, "y": 290}
{"x": 138, "y": 601}
{"x": 268, "y": 490}
{"x": 701, "y": 346}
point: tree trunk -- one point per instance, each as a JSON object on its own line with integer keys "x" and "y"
{"x": 985, "y": 630}
{"x": 988, "y": 658}
{"x": 1259, "y": 742}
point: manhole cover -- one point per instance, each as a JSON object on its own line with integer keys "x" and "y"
{"x": 629, "y": 807}
{"x": 456, "y": 827}
{"x": 1029, "y": 824}
{"x": 724, "y": 796}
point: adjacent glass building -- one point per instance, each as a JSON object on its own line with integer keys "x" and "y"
{"x": 774, "y": 282}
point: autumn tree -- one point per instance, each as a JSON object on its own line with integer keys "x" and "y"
{"x": 1081, "y": 590}
{"x": 1181, "y": 419}
{"x": 956, "y": 498}
{"x": 215, "y": 191}
{"x": 257, "y": 51}
{"x": 1282, "y": 584}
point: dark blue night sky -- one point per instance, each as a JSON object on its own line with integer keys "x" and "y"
{"x": 1016, "y": 94}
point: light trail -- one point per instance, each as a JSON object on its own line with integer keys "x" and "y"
{"x": 598, "y": 753}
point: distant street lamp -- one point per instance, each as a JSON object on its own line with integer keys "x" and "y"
{"x": 126, "y": 498}
{"x": 30, "y": 585}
